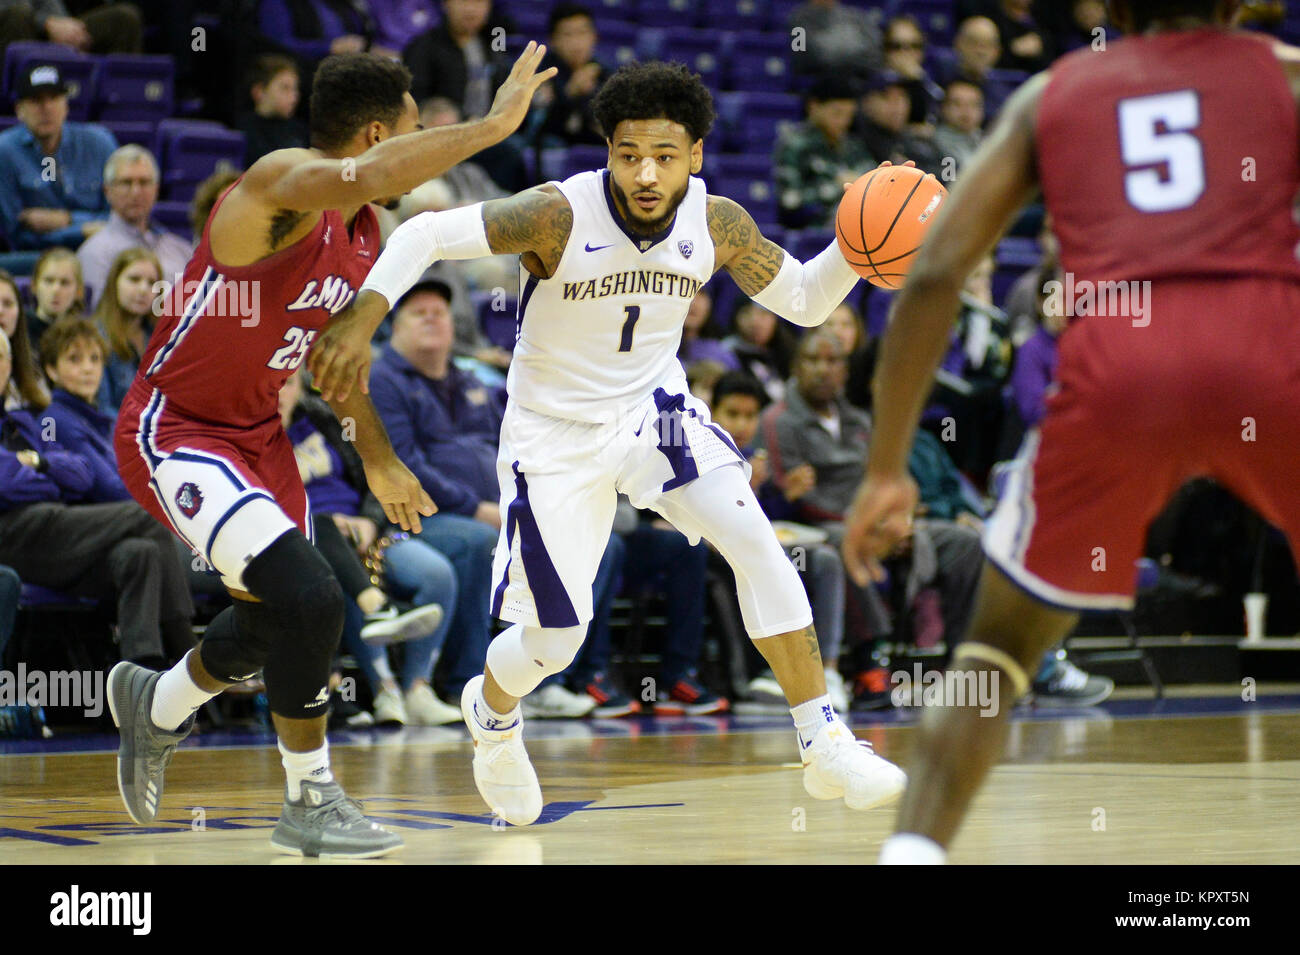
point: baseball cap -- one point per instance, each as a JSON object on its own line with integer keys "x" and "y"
{"x": 42, "y": 78}
{"x": 426, "y": 285}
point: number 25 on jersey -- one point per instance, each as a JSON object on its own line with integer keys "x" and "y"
{"x": 290, "y": 355}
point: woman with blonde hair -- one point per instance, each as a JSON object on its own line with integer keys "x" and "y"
{"x": 59, "y": 290}
{"x": 25, "y": 387}
{"x": 125, "y": 313}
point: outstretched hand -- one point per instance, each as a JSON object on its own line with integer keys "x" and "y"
{"x": 400, "y": 492}
{"x": 881, "y": 517}
{"x": 516, "y": 93}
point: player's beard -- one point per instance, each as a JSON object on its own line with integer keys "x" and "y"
{"x": 391, "y": 203}
{"x": 645, "y": 226}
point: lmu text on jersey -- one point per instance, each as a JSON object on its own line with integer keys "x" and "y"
{"x": 633, "y": 282}
{"x": 225, "y": 298}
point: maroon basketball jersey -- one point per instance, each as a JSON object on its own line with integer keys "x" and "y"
{"x": 1174, "y": 155}
{"x": 230, "y": 336}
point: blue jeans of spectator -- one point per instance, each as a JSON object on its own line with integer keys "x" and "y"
{"x": 468, "y": 545}
{"x": 10, "y": 589}
{"x": 823, "y": 574}
{"x": 652, "y": 552}
{"x": 420, "y": 575}
{"x": 593, "y": 658}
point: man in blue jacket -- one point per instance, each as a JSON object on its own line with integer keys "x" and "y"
{"x": 105, "y": 550}
{"x": 443, "y": 424}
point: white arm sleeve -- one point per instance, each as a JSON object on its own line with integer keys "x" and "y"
{"x": 807, "y": 292}
{"x": 422, "y": 240}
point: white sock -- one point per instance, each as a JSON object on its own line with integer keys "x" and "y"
{"x": 489, "y": 719}
{"x": 811, "y": 716}
{"x": 176, "y": 696}
{"x": 311, "y": 767}
{"x": 908, "y": 848}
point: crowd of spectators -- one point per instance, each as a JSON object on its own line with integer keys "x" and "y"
{"x": 90, "y": 256}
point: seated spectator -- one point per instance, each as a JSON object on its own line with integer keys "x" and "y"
{"x": 37, "y": 210}
{"x": 131, "y": 185}
{"x": 109, "y": 550}
{"x": 816, "y": 427}
{"x": 207, "y": 194}
{"x": 273, "y": 88}
{"x": 1088, "y": 22}
{"x": 881, "y": 125}
{"x": 978, "y": 47}
{"x": 110, "y": 28}
{"x": 700, "y": 338}
{"x": 762, "y": 345}
{"x": 397, "y": 22}
{"x": 814, "y": 159}
{"x": 126, "y": 315}
{"x": 25, "y": 385}
{"x": 961, "y": 126}
{"x": 837, "y": 40}
{"x": 568, "y": 119}
{"x": 73, "y": 355}
{"x": 457, "y": 58}
{"x": 58, "y": 289}
{"x": 846, "y": 324}
{"x": 702, "y": 375}
{"x": 11, "y": 589}
{"x": 1026, "y": 46}
{"x": 738, "y": 400}
{"x": 347, "y": 519}
{"x": 1026, "y": 293}
{"x": 905, "y": 55}
{"x": 444, "y": 425}
{"x": 313, "y": 29}
{"x": 1035, "y": 364}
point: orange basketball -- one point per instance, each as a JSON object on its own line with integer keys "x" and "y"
{"x": 882, "y": 219}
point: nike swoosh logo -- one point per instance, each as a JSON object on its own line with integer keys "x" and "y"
{"x": 597, "y": 248}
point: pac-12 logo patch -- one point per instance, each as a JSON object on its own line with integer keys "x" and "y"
{"x": 686, "y": 247}
{"x": 189, "y": 499}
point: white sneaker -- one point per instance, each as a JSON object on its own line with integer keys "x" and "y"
{"x": 836, "y": 690}
{"x": 555, "y": 702}
{"x": 502, "y": 772}
{"x": 389, "y": 709}
{"x": 836, "y": 764}
{"x": 425, "y": 709}
{"x": 764, "y": 689}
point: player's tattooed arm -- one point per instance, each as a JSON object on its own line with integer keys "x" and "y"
{"x": 534, "y": 224}
{"x": 741, "y": 249}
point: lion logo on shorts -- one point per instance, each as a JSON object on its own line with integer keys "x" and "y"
{"x": 189, "y": 499}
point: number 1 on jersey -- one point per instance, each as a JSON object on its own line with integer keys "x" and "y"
{"x": 633, "y": 312}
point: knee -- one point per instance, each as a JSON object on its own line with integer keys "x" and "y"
{"x": 555, "y": 647}
{"x": 134, "y": 554}
{"x": 11, "y": 585}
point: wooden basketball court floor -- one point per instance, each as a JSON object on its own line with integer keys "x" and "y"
{"x": 1200, "y": 777}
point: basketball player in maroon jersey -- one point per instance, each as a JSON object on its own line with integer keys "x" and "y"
{"x": 199, "y": 441}
{"x": 1169, "y": 163}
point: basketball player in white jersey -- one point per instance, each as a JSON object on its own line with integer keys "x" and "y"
{"x": 609, "y": 263}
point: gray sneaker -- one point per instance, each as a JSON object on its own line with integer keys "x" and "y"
{"x": 146, "y": 750}
{"x": 325, "y": 823}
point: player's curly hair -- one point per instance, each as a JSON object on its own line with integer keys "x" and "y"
{"x": 350, "y": 90}
{"x": 655, "y": 91}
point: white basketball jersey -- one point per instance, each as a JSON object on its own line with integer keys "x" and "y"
{"x": 602, "y": 333}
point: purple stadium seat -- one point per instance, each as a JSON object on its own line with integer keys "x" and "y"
{"x": 808, "y": 243}
{"x": 735, "y": 14}
{"x": 876, "y": 315}
{"x": 1018, "y": 252}
{"x": 778, "y": 15}
{"x": 530, "y": 20}
{"x": 760, "y": 61}
{"x": 140, "y": 132}
{"x": 500, "y": 327}
{"x": 77, "y": 69}
{"x": 935, "y": 17}
{"x": 606, "y": 11}
{"x": 755, "y": 121}
{"x": 34, "y": 595}
{"x": 756, "y": 195}
{"x": 582, "y": 158}
{"x": 188, "y": 152}
{"x": 174, "y": 217}
{"x": 739, "y": 165}
{"x": 704, "y": 51}
{"x": 552, "y": 163}
{"x": 666, "y": 13}
{"x": 7, "y": 121}
{"x": 136, "y": 87}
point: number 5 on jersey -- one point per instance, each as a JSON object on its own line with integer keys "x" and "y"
{"x": 290, "y": 356}
{"x": 1156, "y": 131}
